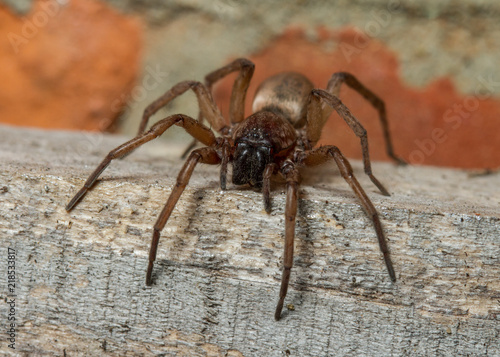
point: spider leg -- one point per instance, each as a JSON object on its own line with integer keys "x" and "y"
{"x": 333, "y": 87}
{"x": 266, "y": 185}
{"x": 238, "y": 93}
{"x": 208, "y": 108}
{"x": 325, "y": 153}
{"x": 240, "y": 86}
{"x": 225, "y": 155}
{"x": 206, "y": 155}
{"x": 292, "y": 182}
{"x": 315, "y": 122}
{"x": 197, "y": 130}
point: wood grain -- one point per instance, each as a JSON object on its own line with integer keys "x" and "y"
{"x": 81, "y": 289}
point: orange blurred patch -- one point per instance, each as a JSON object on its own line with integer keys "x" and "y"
{"x": 434, "y": 125}
{"x": 68, "y": 65}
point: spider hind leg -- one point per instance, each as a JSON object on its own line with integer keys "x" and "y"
{"x": 326, "y": 153}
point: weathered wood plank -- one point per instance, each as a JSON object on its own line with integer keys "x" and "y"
{"x": 81, "y": 290}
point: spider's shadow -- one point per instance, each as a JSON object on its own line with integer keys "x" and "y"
{"x": 304, "y": 239}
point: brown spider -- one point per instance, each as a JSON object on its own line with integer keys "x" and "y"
{"x": 279, "y": 137}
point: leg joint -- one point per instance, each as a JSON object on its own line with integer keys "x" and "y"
{"x": 246, "y": 64}
{"x": 340, "y": 76}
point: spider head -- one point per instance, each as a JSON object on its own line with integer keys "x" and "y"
{"x": 262, "y": 138}
{"x": 249, "y": 161}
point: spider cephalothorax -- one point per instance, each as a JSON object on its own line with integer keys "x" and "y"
{"x": 261, "y": 139}
{"x": 279, "y": 138}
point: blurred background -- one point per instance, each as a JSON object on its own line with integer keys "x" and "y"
{"x": 94, "y": 65}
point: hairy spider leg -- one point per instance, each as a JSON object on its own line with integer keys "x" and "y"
{"x": 291, "y": 174}
{"x": 315, "y": 122}
{"x": 208, "y": 108}
{"x": 333, "y": 87}
{"x": 240, "y": 86}
{"x": 269, "y": 171}
{"x": 326, "y": 153}
{"x": 238, "y": 93}
{"x": 206, "y": 155}
{"x": 192, "y": 126}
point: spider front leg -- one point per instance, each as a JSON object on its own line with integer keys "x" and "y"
{"x": 205, "y": 155}
{"x": 326, "y": 153}
{"x": 238, "y": 94}
{"x": 266, "y": 185}
{"x": 292, "y": 183}
{"x": 197, "y": 130}
{"x": 316, "y": 121}
{"x": 208, "y": 109}
{"x": 240, "y": 87}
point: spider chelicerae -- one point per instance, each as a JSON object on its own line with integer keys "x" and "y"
{"x": 278, "y": 138}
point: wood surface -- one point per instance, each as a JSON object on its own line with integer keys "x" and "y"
{"x": 81, "y": 275}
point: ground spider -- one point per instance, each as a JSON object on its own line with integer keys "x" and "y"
{"x": 278, "y": 137}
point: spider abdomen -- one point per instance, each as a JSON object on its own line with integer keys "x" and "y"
{"x": 285, "y": 94}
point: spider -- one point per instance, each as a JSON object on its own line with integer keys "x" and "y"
{"x": 278, "y": 138}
